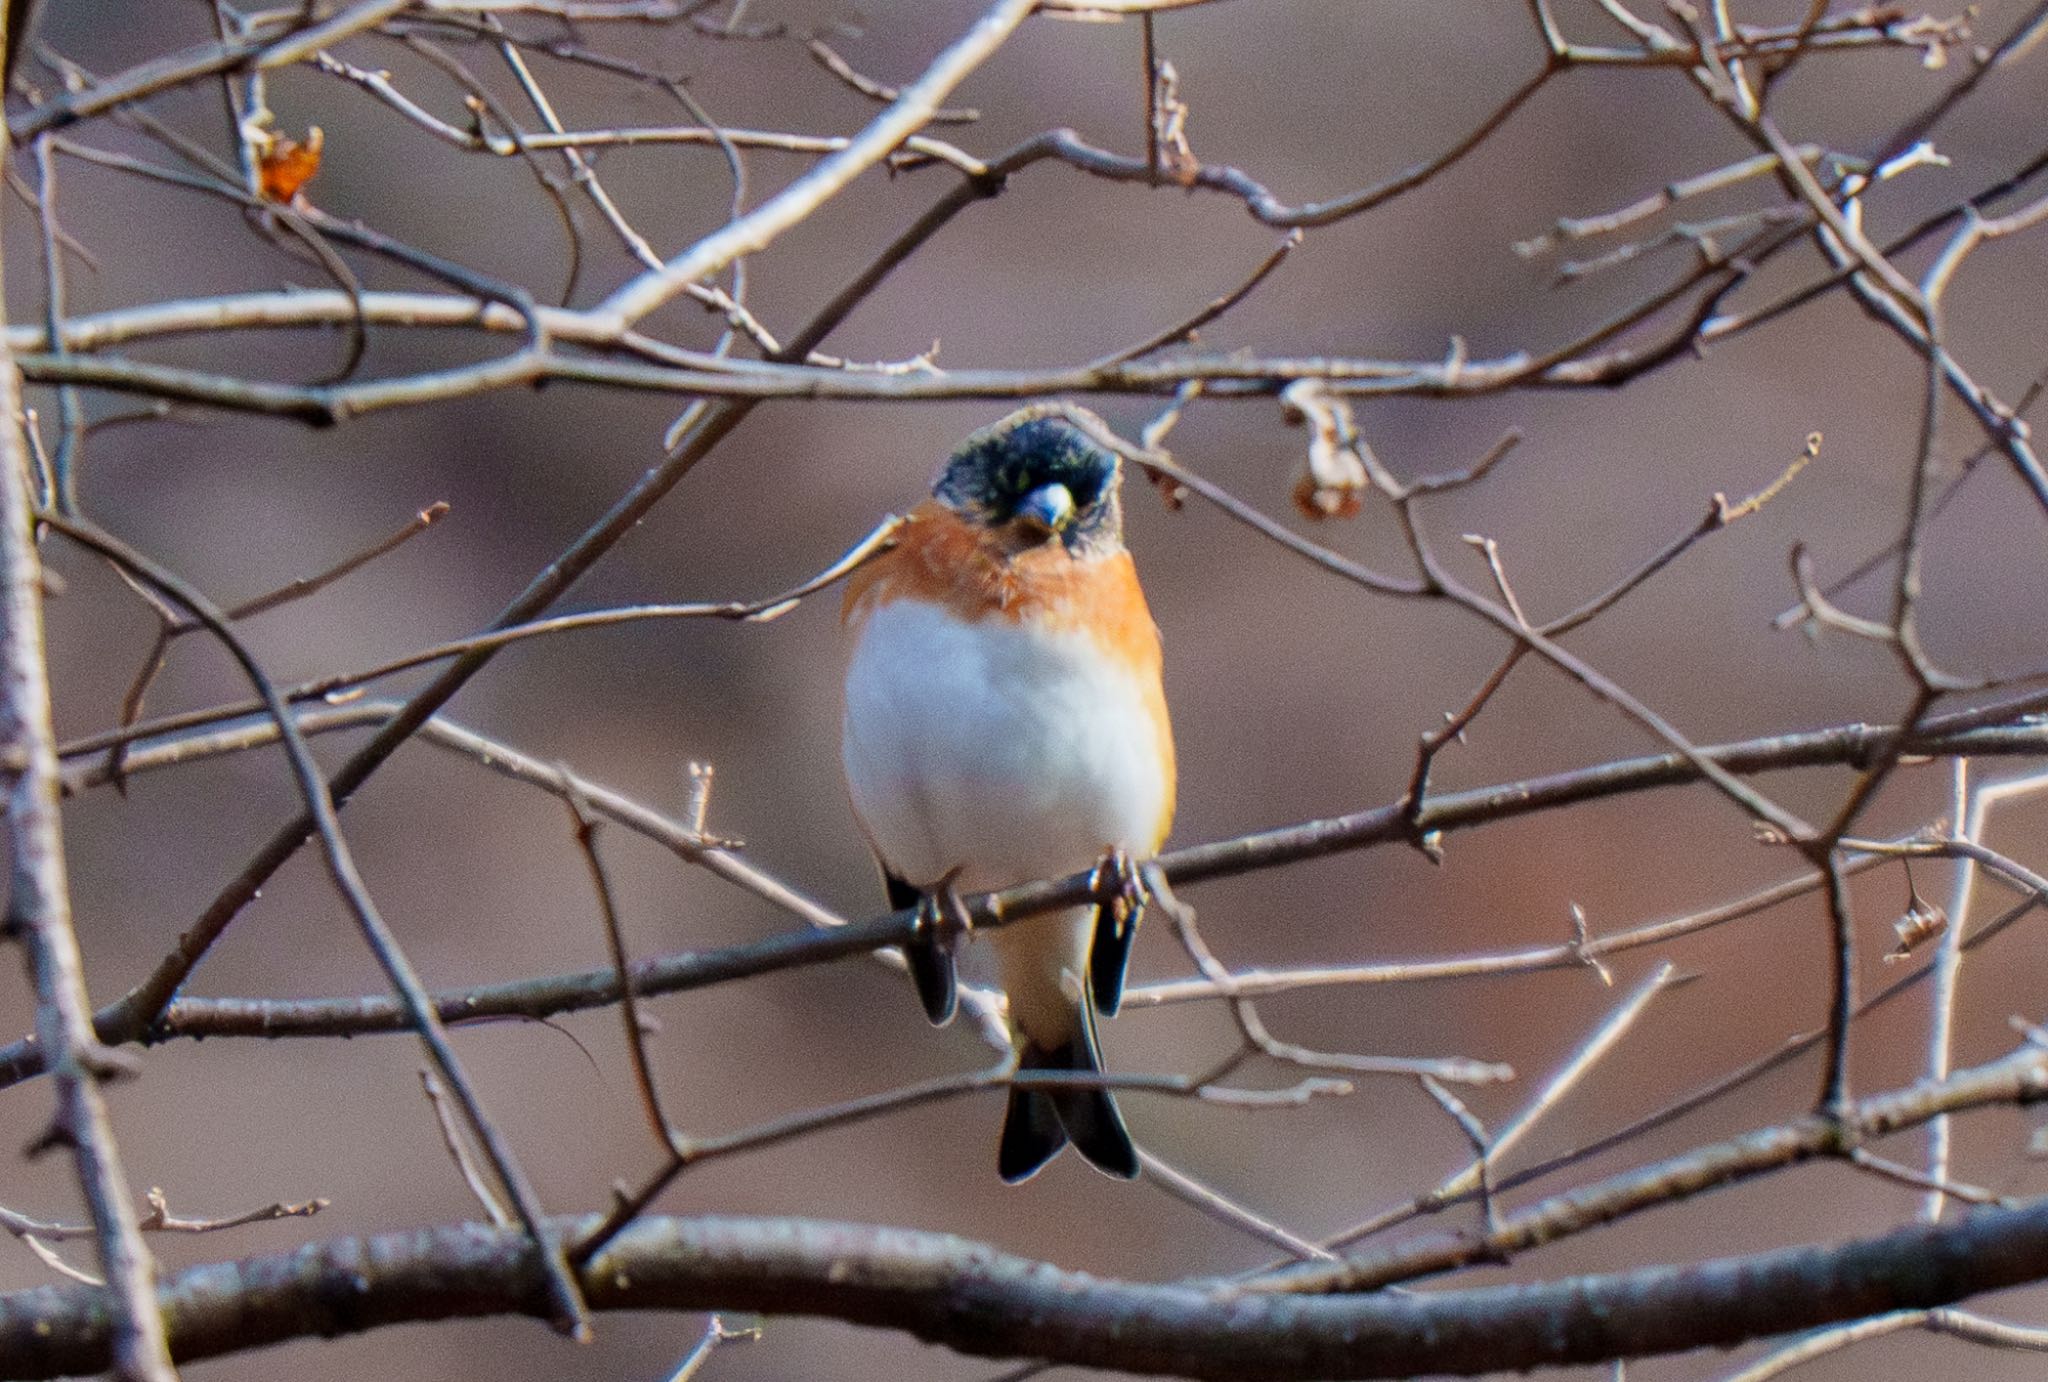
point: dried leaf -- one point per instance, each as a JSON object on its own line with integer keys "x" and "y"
{"x": 1172, "y": 492}
{"x": 1335, "y": 481}
{"x": 287, "y": 165}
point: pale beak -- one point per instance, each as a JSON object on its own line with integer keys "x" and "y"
{"x": 1047, "y": 509}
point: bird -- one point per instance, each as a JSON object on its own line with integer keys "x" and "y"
{"x": 1005, "y": 720}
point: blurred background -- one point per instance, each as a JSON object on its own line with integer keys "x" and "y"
{"x": 1294, "y": 695}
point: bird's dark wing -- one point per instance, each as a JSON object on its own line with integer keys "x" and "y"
{"x": 1109, "y": 954}
{"x": 929, "y": 957}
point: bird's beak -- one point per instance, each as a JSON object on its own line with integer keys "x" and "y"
{"x": 1047, "y": 510}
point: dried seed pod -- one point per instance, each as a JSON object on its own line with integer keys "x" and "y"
{"x": 1922, "y": 922}
{"x": 1335, "y": 481}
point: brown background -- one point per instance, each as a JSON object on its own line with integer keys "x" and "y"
{"x": 1294, "y": 696}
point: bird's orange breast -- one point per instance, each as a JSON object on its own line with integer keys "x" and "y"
{"x": 943, "y": 559}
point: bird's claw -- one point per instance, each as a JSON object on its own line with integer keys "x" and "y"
{"x": 949, "y": 906}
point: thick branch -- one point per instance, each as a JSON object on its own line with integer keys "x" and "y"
{"x": 975, "y": 1299}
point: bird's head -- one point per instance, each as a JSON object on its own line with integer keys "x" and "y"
{"x": 1036, "y": 477}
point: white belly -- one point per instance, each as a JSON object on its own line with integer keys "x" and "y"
{"x": 1005, "y": 750}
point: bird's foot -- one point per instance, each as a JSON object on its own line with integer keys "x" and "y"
{"x": 948, "y": 906}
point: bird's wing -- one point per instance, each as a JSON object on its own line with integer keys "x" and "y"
{"x": 930, "y": 959}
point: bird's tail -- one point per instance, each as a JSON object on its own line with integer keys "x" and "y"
{"x": 1041, "y": 1121}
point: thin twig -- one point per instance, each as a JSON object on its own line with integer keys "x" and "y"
{"x": 828, "y": 58}
{"x": 1220, "y": 1207}
{"x": 1174, "y": 335}
{"x": 172, "y": 626}
{"x": 1590, "y": 1053}
{"x": 458, "y": 1150}
{"x": 160, "y": 1220}
{"x": 615, "y": 943}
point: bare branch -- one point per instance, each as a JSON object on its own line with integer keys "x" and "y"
{"x": 915, "y": 1282}
{"x": 39, "y": 917}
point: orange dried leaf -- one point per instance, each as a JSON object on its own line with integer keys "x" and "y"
{"x": 288, "y": 165}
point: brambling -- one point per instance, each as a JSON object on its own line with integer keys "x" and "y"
{"x": 1005, "y": 721}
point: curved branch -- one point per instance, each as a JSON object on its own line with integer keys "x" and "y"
{"x": 975, "y": 1299}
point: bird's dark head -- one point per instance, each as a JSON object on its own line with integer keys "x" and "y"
{"x": 1037, "y": 477}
